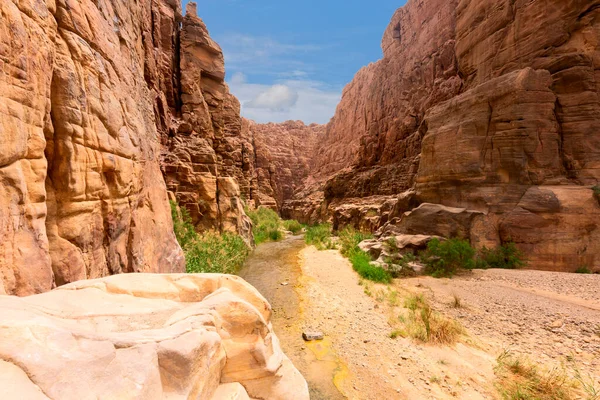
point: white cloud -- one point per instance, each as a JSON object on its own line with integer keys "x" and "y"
{"x": 275, "y": 98}
{"x": 238, "y": 78}
{"x": 313, "y": 102}
{"x": 284, "y": 70}
{"x": 264, "y": 55}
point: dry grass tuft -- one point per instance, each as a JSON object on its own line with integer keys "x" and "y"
{"x": 456, "y": 301}
{"x": 520, "y": 379}
{"x": 424, "y": 324}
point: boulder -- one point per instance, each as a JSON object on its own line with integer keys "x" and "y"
{"x": 436, "y": 220}
{"x": 144, "y": 336}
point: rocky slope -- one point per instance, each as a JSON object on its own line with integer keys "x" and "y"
{"x": 160, "y": 336}
{"x": 489, "y": 106}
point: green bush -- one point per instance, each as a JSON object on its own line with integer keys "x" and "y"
{"x": 293, "y": 226}
{"x": 444, "y": 258}
{"x": 361, "y": 262}
{"x": 596, "y": 190}
{"x": 507, "y": 256}
{"x": 583, "y": 270}
{"x": 350, "y": 238}
{"x": 320, "y": 236}
{"x": 266, "y": 224}
{"x": 216, "y": 253}
{"x": 182, "y": 225}
{"x": 209, "y": 252}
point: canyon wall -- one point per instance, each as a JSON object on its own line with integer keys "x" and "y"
{"x": 281, "y": 161}
{"x": 81, "y": 193}
{"x": 492, "y": 106}
{"x": 203, "y": 155}
{"x": 101, "y": 103}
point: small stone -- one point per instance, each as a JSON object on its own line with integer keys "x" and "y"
{"x": 310, "y": 336}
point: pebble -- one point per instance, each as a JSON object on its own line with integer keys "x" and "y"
{"x": 310, "y": 336}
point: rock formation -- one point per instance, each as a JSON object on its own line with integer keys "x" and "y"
{"x": 97, "y": 98}
{"x": 144, "y": 336}
{"x": 491, "y": 106}
{"x": 81, "y": 192}
{"x": 281, "y": 161}
{"x": 201, "y": 128}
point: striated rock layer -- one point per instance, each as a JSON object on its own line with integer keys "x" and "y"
{"x": 81, "y": 192}
{"x": 491, "y": 106}
{"x": 145, "y": 336}
{"x": 97, "y": 98}
{"x": 281, "y": 160}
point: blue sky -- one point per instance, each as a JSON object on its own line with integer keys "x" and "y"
{"x": 291, "y": 60}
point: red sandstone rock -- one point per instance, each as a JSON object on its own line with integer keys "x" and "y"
{"x": 81, "y": 193}
{"x": 204, "y": 149}
{"x": 282, "y": 159}
{"x": 480, "y": 105}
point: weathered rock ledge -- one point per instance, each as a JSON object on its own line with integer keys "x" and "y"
{"x": 144, "y": 336}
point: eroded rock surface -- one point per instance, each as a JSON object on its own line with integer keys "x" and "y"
{"x": 158, "y": 336}
{"x": 81, "y": 192}
{"x": 282, "y": 159}
{"x": 100, "y": 104}
{"x": 480, "y": 105}
{"x": 204, "y": 151}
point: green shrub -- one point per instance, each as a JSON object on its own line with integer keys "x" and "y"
{"x": 596, "y": 190}
{"x": 182, "y": 225}
{"x": 266, "y": 224}
{"x": 507, "y": 256}
{"x": 320, "y": 236}
{"x": 361, "y": 262}
{"x": 293, "y": 226}
{"x": 216, "y": 253}
{"x": 275, "y": 235}
{"x": 583, "y": 270}
{"x": 444, "y": 258}
{"x": 350, "y": 238}
{"x": 209, "y": 252}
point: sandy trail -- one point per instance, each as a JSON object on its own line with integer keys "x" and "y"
{"x": 545, "y": 316}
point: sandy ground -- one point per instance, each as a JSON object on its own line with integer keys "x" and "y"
{"x": 547, "y": 317}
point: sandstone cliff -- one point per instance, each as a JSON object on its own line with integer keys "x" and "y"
{"x": 97, "y": 99}
{"x": 492, "y": 106}
{"x": 158, "y": 336}
{"x": 281, "y": 161}
{"x": 201, "y": 127}
{"x": 81, "y": 193}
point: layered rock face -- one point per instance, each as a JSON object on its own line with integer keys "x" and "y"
{"x": 489, "y": 106}
{"x": 81, "y": 192}
{"x": 101, "y": 103}
{"x": 204, "y": 151}
{"x": 158, "y": 336}
{"x": 281, "y": 161}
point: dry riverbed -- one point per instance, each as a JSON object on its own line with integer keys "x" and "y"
{"x": 550, "y": 318}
